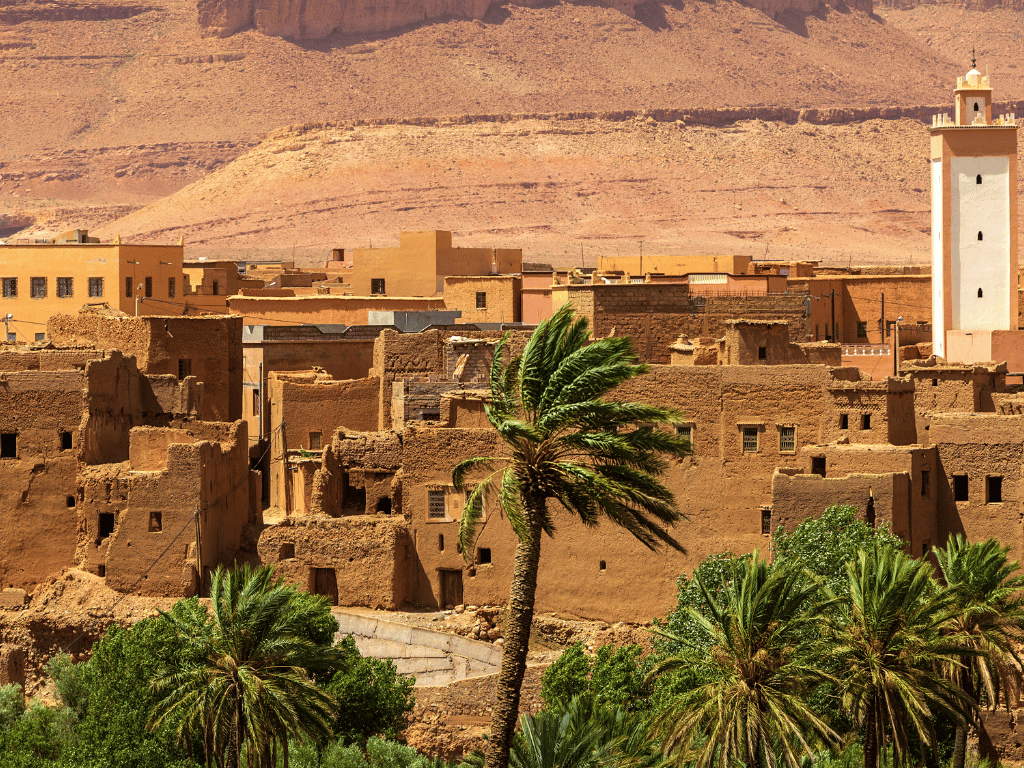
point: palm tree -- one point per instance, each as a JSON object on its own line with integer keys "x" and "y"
{"x": 989, "y": 622}
{"x": 744, "y": 696}
{"x": 243, "y": 684}
{"x": 890, "y": 644}
{"x": 573, "y": 736}
{"x": 594, "y": 456}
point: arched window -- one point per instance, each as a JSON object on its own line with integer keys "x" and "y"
{"x": 980, "y": 237}
{"x": 977, "y": 180}
{"x": 979, "y": 293}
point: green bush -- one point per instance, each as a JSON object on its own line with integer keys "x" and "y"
{"x": 612, "y": 677}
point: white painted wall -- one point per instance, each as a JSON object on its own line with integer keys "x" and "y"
{"x": 981, "y": 264}
{"x": 938, "y": 263}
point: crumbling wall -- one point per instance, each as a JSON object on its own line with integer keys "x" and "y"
{"x": 369, "y": 462}
{"x": 351, "y": 561}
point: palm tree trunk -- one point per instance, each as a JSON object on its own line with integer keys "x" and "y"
{"x": 871, "y": 735}
{"x": 517, "y": 636}
{"x": 960, "y": 745}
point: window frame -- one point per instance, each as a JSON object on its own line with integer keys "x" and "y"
{"x": 65, "y": 287}
{"x": 481, "y": 299}
{"x": 33, "y": 293}
{"x": 95, "y": 287}
{"x": 783, "y": 428}
{"x": 437, "y": 496}
{"x": 172, "y": 288}
{"x": 10, "y": 287}
{"x": 747, "y": 431}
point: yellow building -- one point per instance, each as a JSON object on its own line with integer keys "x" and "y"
{"x": 421, "y": 262}
{"x": 43, "y": 279}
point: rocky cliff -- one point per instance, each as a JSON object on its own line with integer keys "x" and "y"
{"x": 315, "y": 19}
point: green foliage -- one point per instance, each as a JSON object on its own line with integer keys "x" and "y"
{"x": 613, "y": 677}
{"x": 12, "y": 705}
{"x": 824, "y": 545}
{"x": 373, "y": 699}
{"x": 71, "y": 682}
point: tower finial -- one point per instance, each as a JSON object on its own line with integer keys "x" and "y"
{"x": 974, "y": 61}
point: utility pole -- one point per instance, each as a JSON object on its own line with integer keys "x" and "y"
{"x": 896, "y": 349}
{"x": 8, "y": 318}
{"x": 199, "y": 553}
{"x": 881, "y": 322}
{"x": 834, "y": 334}
{"x": 641, "y": 258}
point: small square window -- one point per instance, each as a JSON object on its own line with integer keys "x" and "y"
{"x": 862, "y": 329}
{"x": 65, "y": 287}
{"x": 926, "y": 484}
{"x": 481, "y": 300}
{"x": 787, "y": 439}
{"x": 865, "y": 421}
{"x": 818, "y": 465}
{"x": 9, "y": 445}
{"x": 844, "y": 421}
{"x": 66, "y": 441}
{"x": 41, "y": 336}
{"x": 483, "y": 556}
{"x": 960, "y": 488}
{"x": 127, "y": 287}
{"x": 762, "y": 353}
{"x": 436, "y": 509}
{"x": 156, "y": 522}
{"x": 286, "y": 551}
{"x": 994, "y": 490}
{"x": 935, "y": 382}
{"x": 12, "y": 336}
{"x": 184, "y": 368}
{"x": 316, "y": 440}
{"x": 685, "y": 431}
{"x": 149, "y": 287}
{"x": 95, "y": 287}
{"x": 38, "y": 288}
{"x": 172, "y": 288}
{"x": 766, "y": 520}
{"x": 10, "y": 287}
{"x": 750, "y": 439}
{"x": 377, "y": 286}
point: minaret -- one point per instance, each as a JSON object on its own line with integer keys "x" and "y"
{"x": 974, "y": 225}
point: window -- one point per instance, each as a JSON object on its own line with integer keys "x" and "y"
{"x": 69, "y": 502}
{"x": 483, "y": 555}
{"x": 9, "y": 445}
{"x": 38, "y": 288}
{"x": 926, "y": 484}
{"x": 184, "y": 368}
{"x": 12, "y": 336}
{"x": 107, "y": 520}
{"x": 979, "y": 293}
{"x": 762, "y": 353}
{"x": 95, "y": 287}
{"x": 435, "y": 504}
{"x": 65, "y": 441}
{"x": 862, "y": 329}
{"x": 844, "y": 421}
{"x": 216, "y": 288}
{"x": 993, "y": 490}
{"x": 171, "y": 288}
{"x": 40, "y": 337}
{"x": 65, "y": 287}
{"x": 377, "y": 286}
{"x": 750, "y": 439}
{"x": 255, "y": 402}
{"x": 766, "y": 520}
{"x": 818, "y": 465}
{"x": 433, "y": 415}
{"x": 286, "y": 551}
{"x": 316, "y": 440}
{"x": 10, "y": 287}
{"x": 149, "y": 287}
{"x": 975, "y": 106}
{"x": 481, "y": 300}
{"x": 156, "y": 522}
{"x": 935, "y": 382}
{"x": 981, "y": 236}
{"x": 925, "y": 546}
{"x": 960, "y": 488}
{"x": 685, "y": 431}
{"x": 127, "y": 287}
{"x": 787, "y": 439}
{"x": 602, "y": 566}
{"x": 865, "y": 421}
{"x": 440, "y": 542}
{"x": 977, "y": 180}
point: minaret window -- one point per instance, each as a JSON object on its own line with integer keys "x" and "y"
{"x": 980, "y": 236}
{"x": 978, "y": 179}
{"x": 979, "y": 293}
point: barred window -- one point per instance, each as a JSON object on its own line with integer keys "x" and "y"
{"x": 435, "y": 505}
{"x": 171, "y": 288}
{"x": 479, "y": 506}
{"x": 750, "y": 439}
{"x": 787, "y": 439}
{"x": 685, "y": 431}
{"x": 481, "y": 300}
{"x": 95, "y": 287}
{"x": 38, "y": 287}
{"x": 65, "y": 287}
{"x": 10, "y": 287}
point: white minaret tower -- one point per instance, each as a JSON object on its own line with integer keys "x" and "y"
{"x": 974, "y": 229}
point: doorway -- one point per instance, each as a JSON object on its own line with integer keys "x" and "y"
{"x": 324, "y": 581}
{"x": 451, "y": 588}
